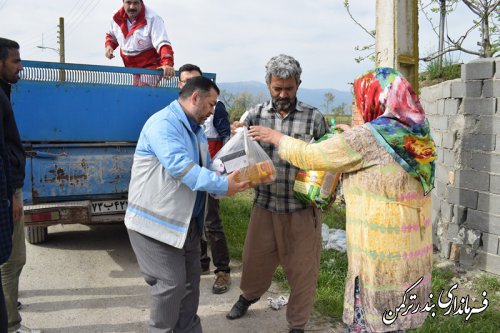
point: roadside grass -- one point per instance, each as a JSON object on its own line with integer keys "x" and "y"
{"x": 235, "y": 214}
{"x": 486, "y": 322}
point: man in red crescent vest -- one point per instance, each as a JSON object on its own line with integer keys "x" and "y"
{"x": 142, "y": 37}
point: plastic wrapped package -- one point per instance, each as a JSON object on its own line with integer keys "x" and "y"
{"x": 317, "y": 187}
{"x": 242, "y": 153}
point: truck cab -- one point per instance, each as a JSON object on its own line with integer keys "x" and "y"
{"x": 79, "y": 125}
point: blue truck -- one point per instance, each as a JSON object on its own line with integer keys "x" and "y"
{"x": 79, "y": 125}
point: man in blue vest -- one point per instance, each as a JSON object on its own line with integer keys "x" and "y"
{"x": 218, "y": 132}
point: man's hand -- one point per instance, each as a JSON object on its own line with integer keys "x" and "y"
{"x": 235, "y": 125}
{"x": 265, "y": 134}
{"x": 168, "y": 71}
{"x": 17, "y": 210}
{"x": 342, "y": 127}
{"x": 233, "y": 187}
{"x": 109, "y": 52}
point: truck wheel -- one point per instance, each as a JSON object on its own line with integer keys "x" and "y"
{"x": 36, "y": 235}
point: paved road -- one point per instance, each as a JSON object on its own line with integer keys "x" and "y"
{"x": 86, "y": 279}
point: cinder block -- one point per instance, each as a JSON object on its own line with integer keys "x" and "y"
{"x": 449, "y": 157}
{"x": 452, "y": 233}
{"x": 451, "y": 106}
{"x": 432, "y": 93}
{"x": 485, "y": 142}
{"x": 438, "y": 138}
{"x": 440, "y": 189}
{"x": 440, "y": 155}
{"x": 436, "y": 203}
{"x": 482, "y": 221}
{"x": 479, "y": 106}
{"x": 497, "y": 66}
{"x": 491, "y": 88}
{"x": 491, "y": 243}
{"x": 495, "y": 184}
{"x": 488, "y": 202}
{"x": 465, "y": 158}
{"x": 438, "y": 122}
{"x": 463, "y": 197}
{"x": 446, "y": 89}
{"x": 446, "y": 211}
{"x": 459, "y": 214}
{"x": 430, "y": 108}
{"x": 473, "y": 88}
{"x": 485, "y": 162}
{"x": 435, "y": 239}
{"x": 457, "y": 88}
{"x": 489, "y": 125}
{"x": 473, "y": 180}
{"x": 478, "y": 69}
{"x": 467, "y": 256}
{"x": 445, "y": 249}
{"x": 442, "y": 173}
{"x": 488, "y": 262}
{"x": 472, "y": 238}
{"x": 448, "y": 140}
{"x": 440, "y": 106}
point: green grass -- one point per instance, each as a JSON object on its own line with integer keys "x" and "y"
{"x": 434, "y": 73}
{"x": 486, "y": 322}
{"x": 235, "y": 214}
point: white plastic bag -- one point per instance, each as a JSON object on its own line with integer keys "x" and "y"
{"x": 242, "y": 153}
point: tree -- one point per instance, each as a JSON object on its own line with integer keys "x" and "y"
{"x": 487, "y": 13}
{"x": 339, "y": 110}
{"x": 328, "y": 103}
{"x": 227, "y": 98}
{"x": 371, "y": 33}
{"x": 236, "y": 105}
{"x": 487, "y": 21}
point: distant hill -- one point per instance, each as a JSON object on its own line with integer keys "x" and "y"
{"x": 314, "y": 97}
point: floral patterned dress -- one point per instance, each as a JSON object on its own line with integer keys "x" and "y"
{"x": 389, "y": 233}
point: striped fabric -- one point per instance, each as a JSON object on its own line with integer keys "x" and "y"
{"x": 389, "y": 234}
{"x": 304, "y": 123}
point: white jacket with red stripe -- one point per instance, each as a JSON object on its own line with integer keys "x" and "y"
{"x": 146, "y": 44}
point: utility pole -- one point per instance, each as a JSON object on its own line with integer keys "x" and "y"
{"x": 396, "y": 44}
{"x": 62, "y": 59}
{"x": 60, "y": 50}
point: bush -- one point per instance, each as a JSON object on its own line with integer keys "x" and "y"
{"x": 449, "y": 70}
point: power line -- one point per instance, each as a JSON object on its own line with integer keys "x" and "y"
{"x": 84, "y": 14}
{"x": 75, "y": 10}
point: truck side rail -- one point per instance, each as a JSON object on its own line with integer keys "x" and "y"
{"x": 56, "y": 102}
{"x": 93, "y": 74}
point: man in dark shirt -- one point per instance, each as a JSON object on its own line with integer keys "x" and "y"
{"x": 10, "y": 64}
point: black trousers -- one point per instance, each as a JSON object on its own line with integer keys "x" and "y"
{"x": 215, "y": 236}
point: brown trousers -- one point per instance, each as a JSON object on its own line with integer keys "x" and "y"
{"x": 292, "y": 240}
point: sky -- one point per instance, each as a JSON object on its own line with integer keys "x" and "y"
{"x": 233, "y": 39}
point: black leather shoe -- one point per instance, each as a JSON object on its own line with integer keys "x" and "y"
{"x": 240, "y": 308}
{"x": 296, "y": 330}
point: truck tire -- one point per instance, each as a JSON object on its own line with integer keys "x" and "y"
{"x": 36, "y": 235}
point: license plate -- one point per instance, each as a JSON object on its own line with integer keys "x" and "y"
{"x": 108, "y": 207}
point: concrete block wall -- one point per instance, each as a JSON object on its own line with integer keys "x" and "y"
{"x": 464, "y": 116}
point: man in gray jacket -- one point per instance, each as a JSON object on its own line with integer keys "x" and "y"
{"x": 165, "y": 214}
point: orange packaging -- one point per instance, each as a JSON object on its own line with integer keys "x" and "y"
{"x": 260, "y": 173}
